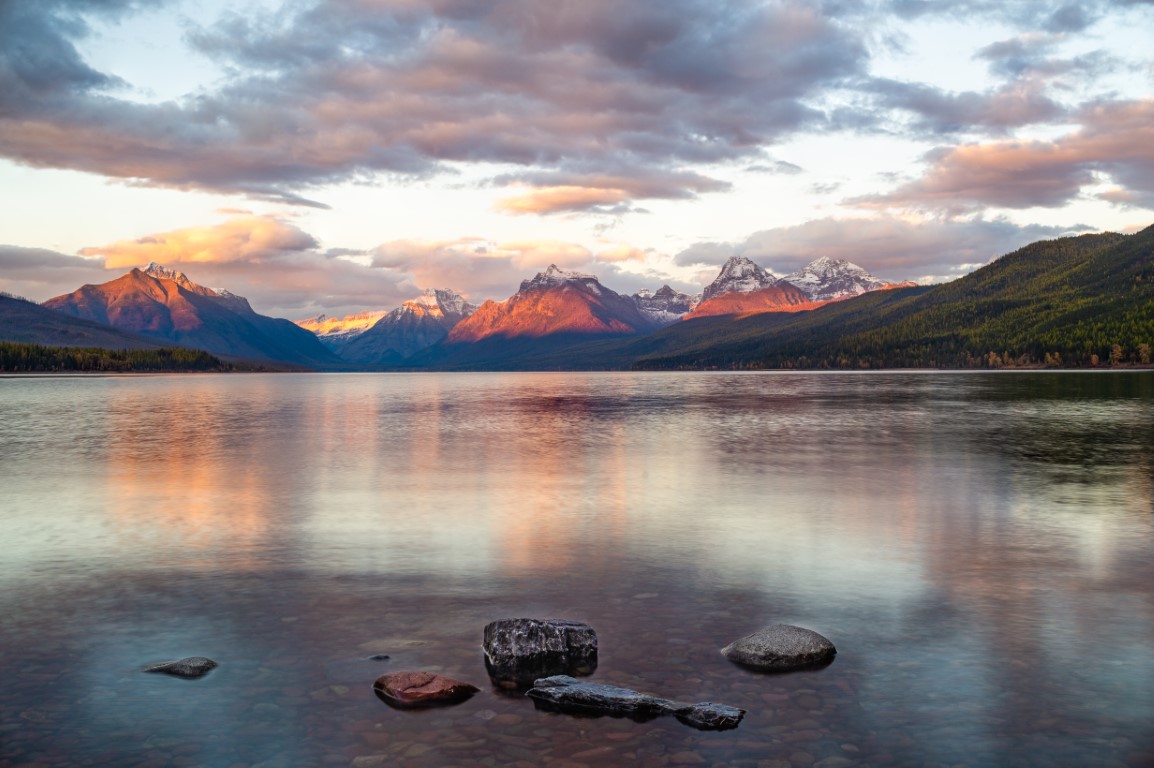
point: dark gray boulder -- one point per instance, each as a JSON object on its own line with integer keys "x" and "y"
{"x": 520, "y": 651}
{"x": 562, "y": 693}
{"x": 191, "y": 667}
{"x": 781, "y": 648}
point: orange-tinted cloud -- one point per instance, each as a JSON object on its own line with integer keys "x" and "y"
{"x": 620, "y": 252}
{"x": 1116, "y": 140}
{"x": 244, "y": 238}
{"x": 559, "y": 199}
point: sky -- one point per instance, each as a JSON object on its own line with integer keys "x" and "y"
{"x": 336, "y": 156}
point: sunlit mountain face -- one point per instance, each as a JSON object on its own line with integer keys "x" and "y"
{"x": 743, "y": 287}
{"x": 555, "y": 302}
{"x": 336, "y": 331}
{"x": 781, "y": 297}
{"x": 165, "y": 304}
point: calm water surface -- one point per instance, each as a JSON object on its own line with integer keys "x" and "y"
{"x": 980, "y": 548}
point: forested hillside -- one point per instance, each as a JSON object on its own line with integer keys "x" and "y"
{"x": 1077, "y": 301}
{"x": 24, "y": 358}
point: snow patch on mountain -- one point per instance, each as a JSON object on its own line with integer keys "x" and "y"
{"x": 161, "y": 272}
{"x": 741, "y": 275}
{"x": 435, "y": 302}
{"x": 555, "y": 276}
{"x": 826, "y": 279}
{"x": 665, "y": 306}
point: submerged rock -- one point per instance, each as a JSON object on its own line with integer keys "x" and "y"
{"x": 421, "y": 689}
{"x": 191, "y": 667}
{"x": 568, "y": 694}
{"x": 781, "y": 648}
{"x": 520, "y": 651}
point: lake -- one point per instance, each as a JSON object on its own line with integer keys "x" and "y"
{"x": 978, "y": 546}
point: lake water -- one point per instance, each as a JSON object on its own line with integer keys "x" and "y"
{"x": 980, "y": 548}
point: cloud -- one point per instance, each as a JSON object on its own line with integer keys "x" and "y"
{"x": 1116, "y": 140}
{"x": 1009, "y": 106}
{"x": 343, "y": 90}
{"x": 706, "y": 254}
{"x": 620, "y": 252}
{"x": 244, "y": 238}
{"x": 280, "y": 268}
{"x": 776, "y": 166}
{"x": 479, "y": 268}
{"x": 561, "y": 199}
{"x": 40, "y": 273}
{"x": 892, "y": 248}
{"x": 554, "y": 192}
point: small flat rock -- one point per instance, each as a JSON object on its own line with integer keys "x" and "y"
{"x": 421, "y": 689}
{"x": 191, "y": 667}
{"x": 781, "y": 648}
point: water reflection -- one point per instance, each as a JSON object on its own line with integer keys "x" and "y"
{"x": 978, "y": 547}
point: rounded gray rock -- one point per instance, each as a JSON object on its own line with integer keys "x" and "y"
{"x": 781, "y": 648}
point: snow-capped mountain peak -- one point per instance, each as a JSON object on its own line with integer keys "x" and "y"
{"x": 161, "y": 272}
{"x": 555, "y": 276}
{"x": 741, "y": 275}
{"x": 825, "y": 278}
{"x": 436, "y": 302}
{"x": 664, "y": 306}
{"x": 223, "y": 297}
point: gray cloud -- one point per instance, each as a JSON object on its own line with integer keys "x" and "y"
{"x": 337, "y": 90}
{"x": 940, "y": 112}
{"x": 39, "y": 273}
{"x": 1071, "y": 17}
{"x": 891, "y": 248}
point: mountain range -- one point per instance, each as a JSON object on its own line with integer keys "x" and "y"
{"x": 1072, "y": 301}
{"x": 165, "y": 306}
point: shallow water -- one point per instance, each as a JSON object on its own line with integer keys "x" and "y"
{"x": 978, "y": 546}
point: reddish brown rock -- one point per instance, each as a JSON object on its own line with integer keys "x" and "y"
{"x": 421, "y": 689}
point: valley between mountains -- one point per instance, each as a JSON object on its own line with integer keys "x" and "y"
{"x": 1071, "y": 302}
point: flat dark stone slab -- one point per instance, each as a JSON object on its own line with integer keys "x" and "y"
{"x": 521, "y": 651}
{"x": 191, "y": 667}
{"x": 567, "y": 694}
{"x": 572, "y": 695}
{"x": 781, "y": 648}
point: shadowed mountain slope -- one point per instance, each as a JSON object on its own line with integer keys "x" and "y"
{"x": 27, "y": 323}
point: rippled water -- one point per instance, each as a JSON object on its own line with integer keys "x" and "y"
{"x": 979, "y": 548}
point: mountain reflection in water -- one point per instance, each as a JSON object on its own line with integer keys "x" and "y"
{"x": 978, "y": 547}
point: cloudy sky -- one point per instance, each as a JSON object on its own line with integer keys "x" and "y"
{"x": 341, "y": 155}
